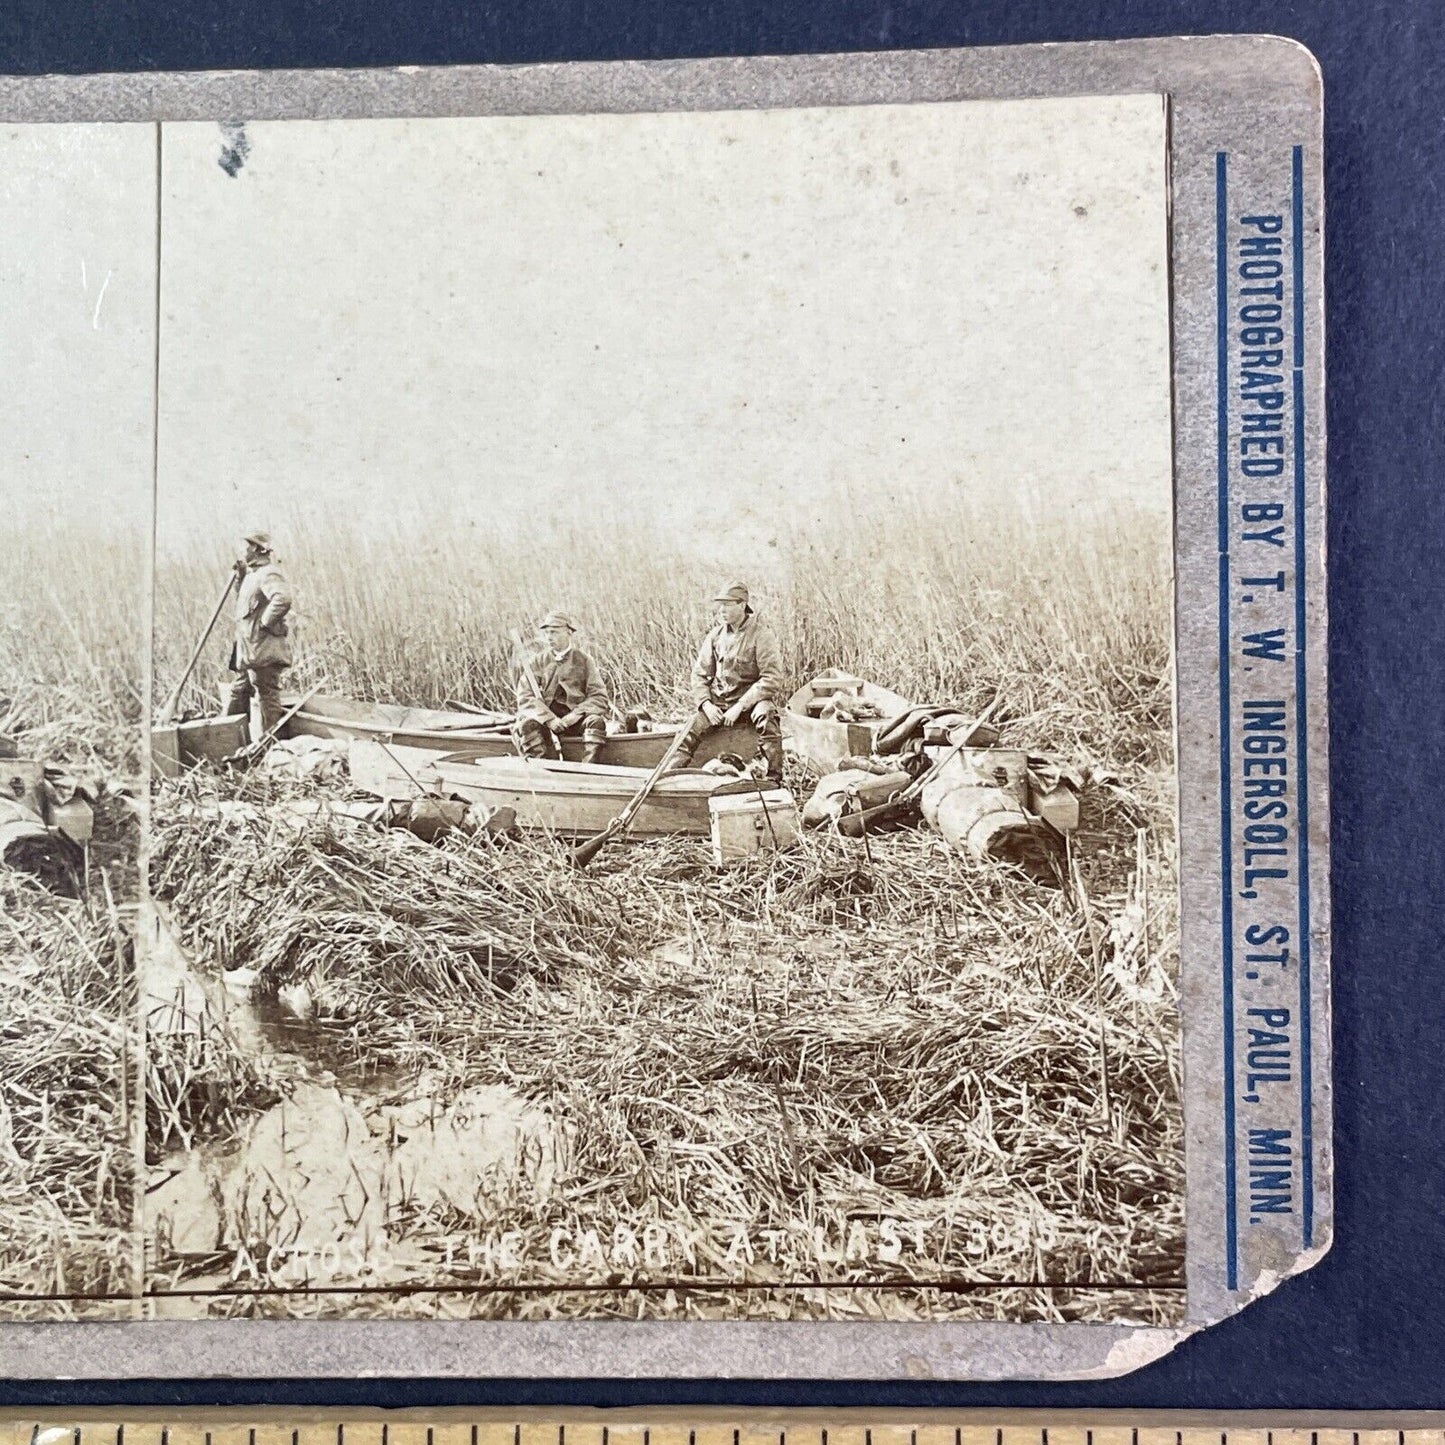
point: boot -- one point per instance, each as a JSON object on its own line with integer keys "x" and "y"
{"x": 772, "y": 751}
{"x": 533, "y": 739}
{"x": 591, "y": 752}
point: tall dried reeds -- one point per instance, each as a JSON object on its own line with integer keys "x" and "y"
{"x": 72, "y": 644}
{"x": 1067, "y": 615}
{"x": 72, "y": 651}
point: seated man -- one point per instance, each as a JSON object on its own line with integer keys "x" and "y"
{"x": 560, "y": 694}
{"x": 738, "y": 675}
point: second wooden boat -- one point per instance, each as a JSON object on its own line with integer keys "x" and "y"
{"x": 821, "y": 740}
{"x": 575, "y": 799}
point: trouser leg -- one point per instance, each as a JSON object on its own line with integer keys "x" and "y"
{"x": 267, "y": 682}
{"x": 697, "y": 730}
{"x": 769, "y": 723}
{"x": 238, "y": 696}
{"x": 534, "y": 738}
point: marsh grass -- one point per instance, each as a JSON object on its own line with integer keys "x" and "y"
{"x": 66, "y": 1182}
{"x": 843, "y": 1033}
{"x": 790, "y": 1051}
{"x": 72, "y": 647}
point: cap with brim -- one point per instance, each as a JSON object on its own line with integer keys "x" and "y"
{"x": 259, "y": 539}
{"x": 557, "y": 619}
{"x": 736, "y": 593}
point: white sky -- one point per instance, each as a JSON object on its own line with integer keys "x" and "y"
{"x": 77, "y": 307}
{"x": 639, "y": 315}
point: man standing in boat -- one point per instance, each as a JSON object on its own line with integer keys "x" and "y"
{"x": 261, "y": 651}
{"x": 560, "y": 695}
{"x": 738, "y": 676}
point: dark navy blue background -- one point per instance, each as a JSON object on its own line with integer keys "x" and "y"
{"x": 1367, "y": 1328}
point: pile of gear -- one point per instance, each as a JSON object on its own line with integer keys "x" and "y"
{"x": 47, "y": 816}
{"x": 986, "y": 802}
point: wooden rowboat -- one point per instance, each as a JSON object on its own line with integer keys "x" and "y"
{"x": 821, "y": 742}
{"x": 576, "y": 799}
{"x": 479, "y": 735}
{"x": 818, "y": 728}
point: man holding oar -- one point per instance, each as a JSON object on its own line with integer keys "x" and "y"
{"x": 560, "y": 694}
{"x": 738, "y": 675}
{"x": 262, "y": 648}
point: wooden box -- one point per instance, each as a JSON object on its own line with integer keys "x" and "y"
{"x": 74, "y": 819}
{"x": 744, "y": 824}
{"x": 209, "y": 739}
{"x": 1059, "y": 806}
{"x": 166, "y": 751}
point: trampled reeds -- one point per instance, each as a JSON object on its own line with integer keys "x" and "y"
{"x": 833, "y": 1064}
{"x": 67, "y": 1188}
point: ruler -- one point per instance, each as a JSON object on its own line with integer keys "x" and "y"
{"x": 713, "y": 1427}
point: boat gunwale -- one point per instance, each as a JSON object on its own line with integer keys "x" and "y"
{"x": 797, "y": 701}
{"x": 524, "y": 768}
{"x": 484, "y": 732}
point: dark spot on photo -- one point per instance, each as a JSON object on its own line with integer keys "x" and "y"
{"x": 235, "y": 147}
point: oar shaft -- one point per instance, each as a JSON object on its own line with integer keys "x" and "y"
{"x": 173, "y": 701}
{"x": 525, "y": 664}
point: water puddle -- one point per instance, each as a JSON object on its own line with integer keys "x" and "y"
{"x": 282, "y": 1035}
{"x": 349, "y": 1163}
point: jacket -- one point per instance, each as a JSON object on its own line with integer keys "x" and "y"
{"x": 571, "y": 681}
{"x": 262, "y": 636}
{"x": 744, "y": 666}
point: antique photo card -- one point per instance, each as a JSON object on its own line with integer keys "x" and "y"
{"x": 734, "y": 727}
{"x": 77, "y": 278}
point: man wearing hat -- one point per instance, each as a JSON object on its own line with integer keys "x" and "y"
{"x": 738, "y": 675}
{"x": 560, "y": 694}
{"x": 262, "y": 649}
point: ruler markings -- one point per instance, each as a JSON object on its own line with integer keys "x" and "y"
{"x": 322, "y": 1428}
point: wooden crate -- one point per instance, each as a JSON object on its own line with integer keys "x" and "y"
{"x": 166, "y": 751}
{"x": 209, "y": 739}
{"x": 744, "y": 824}
{"x": 202, "y": 740}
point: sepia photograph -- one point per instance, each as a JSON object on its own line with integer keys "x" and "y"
{"x": 77, "y": 347}
{"x": 663, "y": 787}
